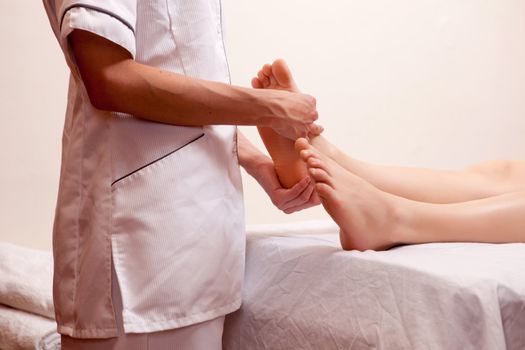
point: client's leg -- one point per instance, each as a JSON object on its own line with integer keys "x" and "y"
{"x": 288, "y": 166}
{"x": 372, "y": 219}
{"x": 426, "y": 185}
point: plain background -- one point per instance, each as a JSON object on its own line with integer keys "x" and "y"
{"x": 434, "y": 83}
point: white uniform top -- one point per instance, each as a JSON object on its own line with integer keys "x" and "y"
{"x": 164, "y": 201}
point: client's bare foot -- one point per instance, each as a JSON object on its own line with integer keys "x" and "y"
{"x": 288, "y": 166}
{"x": 275, "y": 76}
{"x": 368, "y": 218}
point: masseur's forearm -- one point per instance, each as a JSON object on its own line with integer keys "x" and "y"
{"x": 498, "y": 219}
{"x": 173, "y": 98}
{"x": 116, "y": 82}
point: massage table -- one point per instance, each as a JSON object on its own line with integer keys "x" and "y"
{"x": 302, "y": 291}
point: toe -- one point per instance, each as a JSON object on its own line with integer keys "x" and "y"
{"x": 305, "y": 154}
{"x": 263, "y": 78}
{"x": 325, "y": 191}
{"x": 311, "y": 152}
{"x": 282, "y": 73}
{"x": 320, "y": 176}
{"x": 313, "y": 163}
{"x": 273, "y": 82}
{"x": 256, "y": 83}
{"x": 301, "y": 144}
{"x": 267, "y": 70}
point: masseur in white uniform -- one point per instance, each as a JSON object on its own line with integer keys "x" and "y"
{"x": 149, "y": 229}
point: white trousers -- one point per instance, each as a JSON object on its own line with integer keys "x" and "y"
{"x": 201, "y": 336}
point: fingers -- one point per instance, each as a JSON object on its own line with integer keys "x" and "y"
{"x": 298, "y": 188}
{"x": 315, "y": 130}
{"x": 311, "y": 114}
{"x": 282, "y": 197}
{"x": 309, "y": 198}
{"x": 300, "y": 201}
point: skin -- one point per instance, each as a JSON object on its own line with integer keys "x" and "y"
{"x": 115, "y": 82}
{"x": 378, "y": 207}
{"x": 289, "y": 167}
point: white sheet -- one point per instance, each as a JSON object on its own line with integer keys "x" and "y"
{"x": 303, "y": 292}
{"x": 20, "y": 330}
{"x": 26, "y": 304}
{"x": 26, "y": 279}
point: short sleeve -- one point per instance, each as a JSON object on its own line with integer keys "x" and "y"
{"x": 113, "y": 20}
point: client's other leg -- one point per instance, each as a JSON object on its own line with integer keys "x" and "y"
{"x": 372, "y": 219}
{"x": 434, "y": 186}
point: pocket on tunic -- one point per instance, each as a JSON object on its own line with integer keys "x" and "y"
{"x": 176, "y": 236}
{"x": 143, "y": 168}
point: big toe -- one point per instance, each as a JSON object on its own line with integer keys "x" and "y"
{"x": 282, "y": 74}
{"x": 302, "y": 144}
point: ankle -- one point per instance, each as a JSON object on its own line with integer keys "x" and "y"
{"x": 402, "y": 231}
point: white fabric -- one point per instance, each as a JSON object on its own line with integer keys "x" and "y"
{"x": 20, "y": 330}
{"x": 164, "y": 200}
{"x": 98, "y": 23}
{"x": 293, "y": 228}
{"x": 201, "y": 252}
{"x": 25, "y": 296}
{"x": 26, "y": 279}
{"x": 303, "y": 292}
{"x": 201, "y": 336}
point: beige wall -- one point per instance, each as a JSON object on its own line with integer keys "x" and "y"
{"x": 435, "y": 83}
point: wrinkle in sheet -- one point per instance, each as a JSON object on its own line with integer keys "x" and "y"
{"x": 305, "y": 293}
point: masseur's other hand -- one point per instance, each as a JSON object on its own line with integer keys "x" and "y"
{"x": 295, "y": 114}
{"x": 299, "y": 197}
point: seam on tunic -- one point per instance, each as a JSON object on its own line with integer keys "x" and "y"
{"x": 77, "y": 231}
{"x": 98, "y": 9}
{"x": 171, "y": 26}
{"x": 223, "y": 44}
{"x": 109, "y": 223}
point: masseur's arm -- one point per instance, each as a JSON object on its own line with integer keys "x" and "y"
{"x": 115, "y": 82}
{"x": 262, "y": 169}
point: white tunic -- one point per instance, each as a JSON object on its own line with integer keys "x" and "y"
{"x": 163, "y": 202}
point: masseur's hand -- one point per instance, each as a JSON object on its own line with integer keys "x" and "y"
{"x": 299, "y": 197}
{"x": 262, "y": 169}
{"x": 294, "y": 114}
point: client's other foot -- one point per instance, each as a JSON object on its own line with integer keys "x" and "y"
{"x": 288, "y": 166}
{"x": 367, "y": 217}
